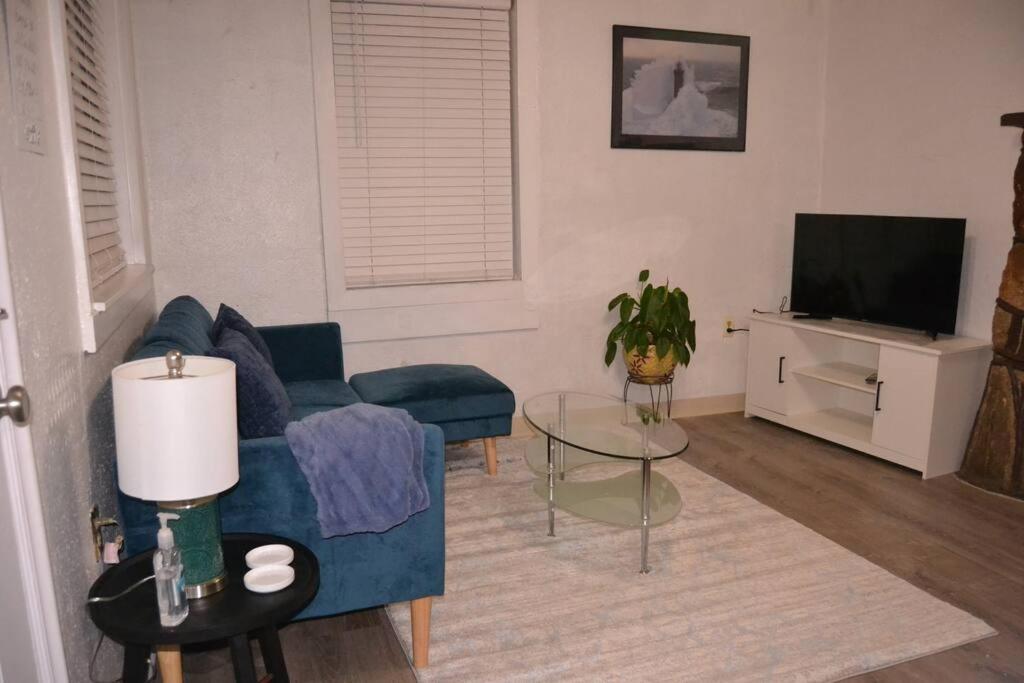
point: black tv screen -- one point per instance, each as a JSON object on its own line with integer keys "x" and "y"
{"x": 884, "y": 269}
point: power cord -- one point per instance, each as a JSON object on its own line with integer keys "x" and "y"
{"x": 96, "y": 652}
{"x": 782, "y": 308}
{"x": 123, "y": 593}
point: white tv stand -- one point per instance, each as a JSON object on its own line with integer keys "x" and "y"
{"x": 810, "y": 375}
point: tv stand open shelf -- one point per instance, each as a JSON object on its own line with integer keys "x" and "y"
{"x": 840, "y": 425}
{"x": 810, "y": 375}
{"x": 841, "y": 374}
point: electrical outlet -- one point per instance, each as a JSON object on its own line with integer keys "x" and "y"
{"x": 97, "y": 523}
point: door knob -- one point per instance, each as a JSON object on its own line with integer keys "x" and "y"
{"x": 16, "y": 406}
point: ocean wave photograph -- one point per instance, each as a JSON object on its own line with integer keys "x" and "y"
{"x": 682, "y": 87}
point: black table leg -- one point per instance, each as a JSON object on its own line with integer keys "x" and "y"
{"x": 135, "y": 667}
{"x": 273, "y": 658}
{"x": 241, "y": 657}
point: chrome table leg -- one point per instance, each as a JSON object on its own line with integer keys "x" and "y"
{"x": 645, "y": 520}
{"x": 561, "y": 435}
{"x": 551, "y": 485}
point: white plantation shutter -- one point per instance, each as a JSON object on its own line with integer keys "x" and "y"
{"x": 423, "y": 114}
{"x": 92, "y": 139}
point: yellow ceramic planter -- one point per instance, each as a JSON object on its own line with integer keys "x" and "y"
{"x": 649, "y": 367}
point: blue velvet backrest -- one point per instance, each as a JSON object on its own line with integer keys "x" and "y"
{"x": 184, "y": 324}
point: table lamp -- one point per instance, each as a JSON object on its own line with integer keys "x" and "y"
{"x": 177, "y": 444}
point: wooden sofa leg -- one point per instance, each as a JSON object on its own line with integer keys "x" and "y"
{"x": 491, "y": 453}
{"x": 420, "y": 609}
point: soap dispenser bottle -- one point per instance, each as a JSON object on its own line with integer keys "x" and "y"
{"x": 169, "y": 574}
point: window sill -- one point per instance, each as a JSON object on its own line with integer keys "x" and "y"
{"x": 114, "y": 300}
{"x": 391, "y": 313}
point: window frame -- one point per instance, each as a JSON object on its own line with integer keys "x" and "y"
{"x": 438, "y": 309}
{"x": 102, "y": 309}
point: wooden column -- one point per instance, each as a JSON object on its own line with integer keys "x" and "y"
{"x": 995, "y": 451}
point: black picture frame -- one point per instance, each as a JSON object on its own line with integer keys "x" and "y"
{"x": 648, "y": 140}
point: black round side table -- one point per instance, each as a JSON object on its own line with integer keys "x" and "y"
{"x": 233, "y": 614}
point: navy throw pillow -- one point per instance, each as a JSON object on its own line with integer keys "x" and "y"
{"x": 229, "y": 318}
{"x": 263, "y": 405}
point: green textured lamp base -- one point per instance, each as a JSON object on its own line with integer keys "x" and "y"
{"x": 198, "y": 534}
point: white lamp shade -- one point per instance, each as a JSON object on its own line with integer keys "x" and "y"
{"x": 177, "y": 439}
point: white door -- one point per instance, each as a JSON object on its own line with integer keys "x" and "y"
{"x": 768, "y": 363}
{"x": 904, "y": 399}
{"x": 30, "y": 646}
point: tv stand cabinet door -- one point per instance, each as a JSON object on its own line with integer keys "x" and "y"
{"x": 768, "y": 365}
{"x": 905, "y": 401}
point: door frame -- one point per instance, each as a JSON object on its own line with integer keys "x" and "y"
{"x": 31, "y": 549}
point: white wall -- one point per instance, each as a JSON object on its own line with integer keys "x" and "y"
{"x": 914, "y": 93}
{"x": 72, "y": 425}
{"x": 226, "y": 103}
{"x": 226, "y": 108}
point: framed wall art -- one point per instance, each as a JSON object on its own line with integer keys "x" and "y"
{"x": 679, "y": 89}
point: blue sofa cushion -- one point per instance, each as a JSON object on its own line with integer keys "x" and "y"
{"x": 263, "y": 405}
{"x": 184, "y": 325}
{"x": 436, "y": 393}
{"x": 324, "y": 392}
{"x": 229, "y": 318}
{"x": 299, "y": 412}
{"x": 307, "y": 351}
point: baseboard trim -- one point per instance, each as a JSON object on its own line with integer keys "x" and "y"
{"x": 681, "y": 407}
{"x": 708, "y": 405}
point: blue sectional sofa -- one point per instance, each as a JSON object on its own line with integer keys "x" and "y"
{"x": 272, "y": 495}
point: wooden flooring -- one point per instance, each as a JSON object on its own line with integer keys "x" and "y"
{"x": 958, "y": 543}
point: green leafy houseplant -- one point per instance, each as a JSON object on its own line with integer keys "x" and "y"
{"x": 657, "y": 317}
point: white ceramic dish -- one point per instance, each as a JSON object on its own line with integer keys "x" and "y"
{"x": 269, "y": 554}
{"x": 269, "y": 578}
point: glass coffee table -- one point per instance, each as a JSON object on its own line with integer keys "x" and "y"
{"x": 583, "y": 429}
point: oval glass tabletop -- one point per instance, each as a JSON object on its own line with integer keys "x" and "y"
{"x": 605, "y": 426}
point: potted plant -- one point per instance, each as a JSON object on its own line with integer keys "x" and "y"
{"x": 654, "y": 328}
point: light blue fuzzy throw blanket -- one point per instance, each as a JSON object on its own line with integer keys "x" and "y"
{"x": 364, "y": 464}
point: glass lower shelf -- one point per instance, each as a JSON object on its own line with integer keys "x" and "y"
{"x": 615, "y": 500}
{"x": 537, "y": 457}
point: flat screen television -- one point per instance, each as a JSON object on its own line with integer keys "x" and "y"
{"x": 891, "y": 270}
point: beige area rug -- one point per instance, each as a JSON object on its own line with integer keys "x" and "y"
{"x": 738, "y": 591}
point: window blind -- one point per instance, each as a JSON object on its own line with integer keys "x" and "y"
{"x": 92, "y": 139}
{"x": 423, "y": 115}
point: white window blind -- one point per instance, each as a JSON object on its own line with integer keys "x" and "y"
{"x": 92, "y": 139}
{"x": 423, "y": 114}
